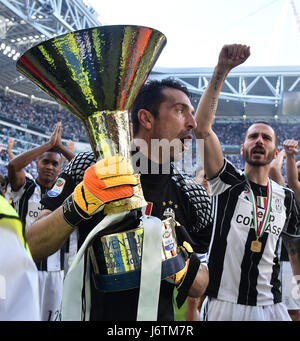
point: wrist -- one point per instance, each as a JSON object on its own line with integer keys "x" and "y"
{"x": 72, "y": 213}
{"x": 222, "y": 70}
{"x": 290, "y": 156}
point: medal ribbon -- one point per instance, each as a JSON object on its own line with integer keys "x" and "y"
{"x": 259, "y": 230}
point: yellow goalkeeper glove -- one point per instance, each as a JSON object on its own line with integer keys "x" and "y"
{"x": 110, "y": 179}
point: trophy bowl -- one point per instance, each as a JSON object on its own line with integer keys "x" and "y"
{"x": 96, "y": 74}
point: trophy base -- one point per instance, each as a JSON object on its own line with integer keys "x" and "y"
{"x": 117, "y": 258}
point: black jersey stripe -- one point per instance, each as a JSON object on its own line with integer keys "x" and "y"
{"x": 224, "y": 209}
{"x": 249, "y": 274}
{"x": 275, "y": 281}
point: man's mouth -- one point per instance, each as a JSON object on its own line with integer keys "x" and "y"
{"x": 258, "y": 151}
{"x": 186, "y": 141}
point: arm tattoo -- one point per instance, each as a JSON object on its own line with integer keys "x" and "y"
{"x": 214, "y": 104}
{"x": 204, "y": 135}
{"x": 218, "y": 80}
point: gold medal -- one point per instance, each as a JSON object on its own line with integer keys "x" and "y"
{"x": 255, "y": 246}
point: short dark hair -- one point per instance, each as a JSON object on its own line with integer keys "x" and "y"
{"x": 150, "y": 97}
{"x": 266, "y": 123}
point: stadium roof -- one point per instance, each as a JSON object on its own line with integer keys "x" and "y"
{"x": 250, "y": 91}
{"x": 24, "y": 24}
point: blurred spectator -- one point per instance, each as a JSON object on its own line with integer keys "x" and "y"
{"x": 26, "y": 194}
{"x": 45, "y": 117}
{"x": 9, "y": 148}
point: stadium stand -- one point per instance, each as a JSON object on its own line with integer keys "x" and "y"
{"x": 30, "y": 125}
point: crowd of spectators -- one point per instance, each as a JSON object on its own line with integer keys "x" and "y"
{"x": 44, "y": 117}
{"x": 29, "y": 115}
{"x": 230, "y": 133}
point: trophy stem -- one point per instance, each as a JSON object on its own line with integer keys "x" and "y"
{"x": 108, "y": 133}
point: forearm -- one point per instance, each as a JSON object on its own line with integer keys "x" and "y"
{"x": 205, "y": 115}
{"x": 208, "y": 103}
{"x": 47, "y": 234}
{"x": 10, "y": 154}
{"x": 67, "y": 153}
{"x": 21, "y": 161}
{"x": 291, "y": 172}
{"x": 200, "y": 282}
{"x": 191, "y": 310}
{"x": 275, "y": 170}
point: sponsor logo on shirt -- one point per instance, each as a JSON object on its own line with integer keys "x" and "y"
{"x": 248, "y": 221}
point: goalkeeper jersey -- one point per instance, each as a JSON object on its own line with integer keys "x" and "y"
{"x": 167, "y": 194}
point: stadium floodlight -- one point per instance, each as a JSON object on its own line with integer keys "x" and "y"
{"x": 2, "y": 46}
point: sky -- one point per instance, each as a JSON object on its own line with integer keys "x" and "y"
{"x": 196, "y": 30}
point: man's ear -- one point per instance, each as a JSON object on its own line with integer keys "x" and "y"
{"x": 146, "y": 119}
{"x": 242, "y": 149}
{"x": 276, "y": 153}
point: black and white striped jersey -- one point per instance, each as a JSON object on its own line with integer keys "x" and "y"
{"x": 238, "y": 274}
{"x": 26, "y": 202}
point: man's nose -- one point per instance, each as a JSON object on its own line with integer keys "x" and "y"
{"x": 259, "y": 140}
{"x": 191, "y": 121}
{"x": 50, "y": 165}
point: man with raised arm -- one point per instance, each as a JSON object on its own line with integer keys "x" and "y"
{"x": 250, "y": 213}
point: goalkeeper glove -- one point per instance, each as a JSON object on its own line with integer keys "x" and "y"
{"x": 110, "y": 179}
